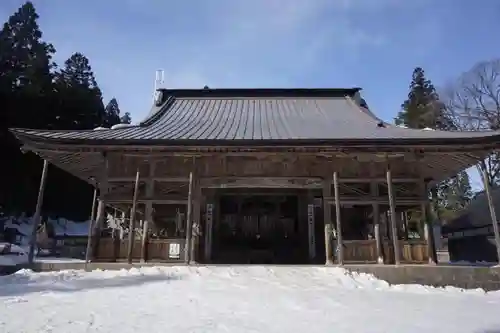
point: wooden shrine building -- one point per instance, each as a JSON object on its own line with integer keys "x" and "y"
{"x": 263, "y": 176}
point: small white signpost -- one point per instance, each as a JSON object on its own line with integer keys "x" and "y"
{"x": 174, "y": 251}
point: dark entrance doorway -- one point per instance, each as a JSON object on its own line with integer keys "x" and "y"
{"x": 258, "y": 229}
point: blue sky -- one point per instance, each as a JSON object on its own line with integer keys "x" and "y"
{"x": 373, "y": 44}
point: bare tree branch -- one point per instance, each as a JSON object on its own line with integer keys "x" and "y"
{"x": 473, "y": 103}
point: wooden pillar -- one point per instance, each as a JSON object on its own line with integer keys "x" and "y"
{"x": 103, "y": 191}
{"x": 123, "y": 217}
{"x": 91, "y": 224}
{"x": 340, "y": 243}
{"x": 187, "y": 247}
{"x": 131, "y": 233}
{"x": 100, "y": 217}
{"x": 38, "y": 212}
{"x": 145, "y": 231}
{"x": 209, "y": 215}
{"x": 311, "y": 228}
{"x": 376, "y": 223}
{"x": 196, "y": 222}
{"x": 428, "y": 229}
{"x": 404, "y": 225}
{"x": 148, "y": 212}
{"x": 428, "y": 235}
{"x": 394, "y": 227}
{"x": 493, "y": 214}
{"x": 327, "y": 219}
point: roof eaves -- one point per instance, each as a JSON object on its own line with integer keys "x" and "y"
{"x": 159, "y": 112}
{"x": 346, "y": 142}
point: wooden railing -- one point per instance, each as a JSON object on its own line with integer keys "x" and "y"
{"x": 365, "y": 251}
{"x": 156, "y": 250}
{"x": 355, "y": 251}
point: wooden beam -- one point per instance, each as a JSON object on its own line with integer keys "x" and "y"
{"x": 493, "y": 215}
{"x": 156, "y": 179}
{"x": 131, "y": 234}
{"x": 91, "y": 224}
{"x": 340, "y": 244}
{"x": 38, "y": 212}
{"x": 159, "y": 201}
{"x": 377, "y": 180}
{"x": 394, "y": 227}
{"x": 187, "y": 248}
{"x": 204, "y": 180}
{"x": 327, "y": 219}
{"x": 368, "y": 200}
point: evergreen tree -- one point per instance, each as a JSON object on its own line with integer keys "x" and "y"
{"x": 423, "y": 109}
{"x": 32, "y": 95}
{"x": 82, "y": 98}
{"x": 25, "y": 60}
{"x": 126, "y": 119}
{"x": 25, "y": 97}
{"x": 112, "y": 111}
{"x": 454, "y": 195}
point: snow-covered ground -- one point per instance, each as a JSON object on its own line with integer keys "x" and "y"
{"x": 236, "y": 299}
{"x": 18, "y": 255}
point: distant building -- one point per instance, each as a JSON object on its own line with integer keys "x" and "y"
{"x": 470, "y": 235}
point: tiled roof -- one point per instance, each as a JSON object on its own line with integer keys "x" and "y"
{"x": 217, "y": 116}
{"x": 477, "y": 213}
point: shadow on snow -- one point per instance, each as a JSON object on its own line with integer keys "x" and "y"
{"x": 19, "y": 285}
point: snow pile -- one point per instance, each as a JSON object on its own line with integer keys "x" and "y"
{"x": 12, "y": 255}
{"x": 100, "y": 128}
{"x": 118, "y": 126}
{"x": 236, "y": 299}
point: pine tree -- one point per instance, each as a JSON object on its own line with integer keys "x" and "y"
{"x": 112, "y": 111}
{"x": 25, "y": 60}
{"x": 82, "y": 102}
{"x": 454, "y": 195}
{"x": 33, "y": 96}
{"x": 77, "y": 72}
{"x": 423, "y": 109}
{"x": 25, "y": 96}
{"x": 126, "y": 119}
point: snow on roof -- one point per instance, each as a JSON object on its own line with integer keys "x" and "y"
{"x": 118, "y": 126}
{"x": 62, "y": 227}
{"x": 22, "y": 224}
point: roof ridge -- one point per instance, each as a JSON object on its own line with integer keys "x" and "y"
{"x": 365, "y": 111}
{"x": 261, "y": 92}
